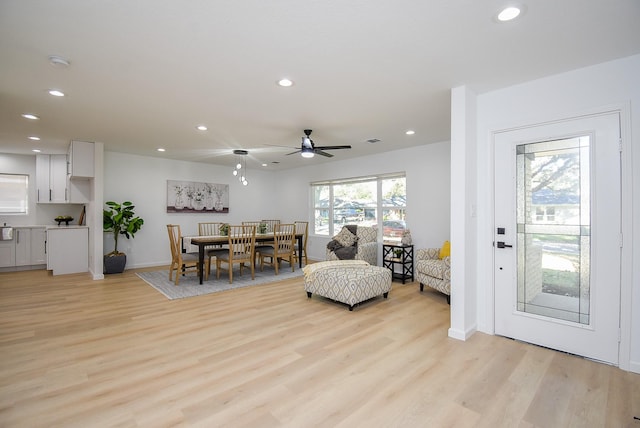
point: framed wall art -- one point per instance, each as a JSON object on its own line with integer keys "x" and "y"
{"x": 194, "y": 197}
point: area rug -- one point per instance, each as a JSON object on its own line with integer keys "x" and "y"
{"x": 189, "y": 285}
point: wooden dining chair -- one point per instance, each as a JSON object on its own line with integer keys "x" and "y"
{"x": 302, "y": 227}
{"x": 211, "y": 251}
{"x": 271, "y": 224}
{"x": 209, "y": 228}
{"x": 252, "y": 223}
{"x": 242, "y": 241}
{"x": 259, "y": 225}
{"x": 180, "y": 262}
{"x": 285, "y": 240}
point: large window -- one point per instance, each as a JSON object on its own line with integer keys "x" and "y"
{"x": 14, "y": 189}
{"x": 378, "y": 201}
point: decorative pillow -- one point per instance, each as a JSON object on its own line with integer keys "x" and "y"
{"x": 345, "y": 238}
{"x": 445, "y": 251}
{"x": 333, "y": 245}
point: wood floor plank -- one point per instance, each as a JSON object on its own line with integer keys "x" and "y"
{"x": 116, "y": 353}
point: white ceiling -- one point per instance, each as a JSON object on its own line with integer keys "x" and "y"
{"x": 144, "y": 73}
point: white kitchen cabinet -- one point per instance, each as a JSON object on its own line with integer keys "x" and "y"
{"x": 81, "y": 156}
{"x": 51, "y": 179}
{"x": 7, "y": 254}
{"x": 68, "y": 249}
{"x": 78, "y": 191}
{"x": 55, "y": 186}
{"x": 30, "y": 246}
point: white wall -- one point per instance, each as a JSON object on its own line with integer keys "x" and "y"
{"x": 143, "y": 181}
{"x": 284, "y": 195}
{"x": 427, "y": 170}
{"x": 561, "y": 96}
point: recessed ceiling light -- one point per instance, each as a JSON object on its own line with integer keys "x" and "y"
{"x": 34, "y": 138}
{"x": 30, "y": 116}
{"x": 264, "y": 164}
{"x": 509, "y": 13}
{"x": 160, "y": 149}
{"x": 285, "y": 82}
{"x": 56, "y": 93}
{"x": 201, "y": 128}
{"x": 410, "y": 132}
{"x": 36, "y": 150}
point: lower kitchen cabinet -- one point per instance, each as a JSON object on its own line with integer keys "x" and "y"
{"x": 68, "y": 249}
{"x": 30, "y": 246}
{"x": 7, "y": 254}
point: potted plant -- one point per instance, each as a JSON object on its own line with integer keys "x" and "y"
{"x": 224, "y": 229}
{"x": 119, "y": 219}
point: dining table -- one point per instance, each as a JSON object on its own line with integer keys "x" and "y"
{"x": 203, "y": 241}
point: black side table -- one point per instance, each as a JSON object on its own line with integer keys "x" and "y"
{"x": 401, "y": 255}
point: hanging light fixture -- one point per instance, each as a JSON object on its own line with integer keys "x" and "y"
{"x": 240, "y": 170}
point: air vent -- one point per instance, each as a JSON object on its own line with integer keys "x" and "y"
{"x": 373, "y": 140}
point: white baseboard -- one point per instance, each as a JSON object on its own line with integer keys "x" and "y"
{"x": 461, "y": 334}
{"x": 634, "y": 366}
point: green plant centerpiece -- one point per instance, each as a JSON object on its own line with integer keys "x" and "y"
{"x": 224, "y": 229}
{"x": 119, "y": 219}
{"x": 262, "y": 228}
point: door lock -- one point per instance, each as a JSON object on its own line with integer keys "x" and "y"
{"x": 501, "y": 244}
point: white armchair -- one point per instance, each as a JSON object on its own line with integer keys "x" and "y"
{"x": 433, "y": 271}
{"x": 361, "y": 246}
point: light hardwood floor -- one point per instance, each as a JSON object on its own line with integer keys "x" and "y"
{"x": 116, "y": 353}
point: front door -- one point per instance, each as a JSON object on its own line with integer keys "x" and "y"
{"x": 557, "y": 235}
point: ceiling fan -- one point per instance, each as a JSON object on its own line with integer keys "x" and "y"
{"x": 308, "y": 149}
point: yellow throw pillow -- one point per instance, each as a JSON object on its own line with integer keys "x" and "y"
{"x": 445, "y": 251}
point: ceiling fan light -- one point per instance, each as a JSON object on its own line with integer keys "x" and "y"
{"x": 307, "y": 153}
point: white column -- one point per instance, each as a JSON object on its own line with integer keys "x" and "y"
{"x": 463, "y": 214}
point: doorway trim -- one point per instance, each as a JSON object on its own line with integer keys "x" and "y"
{"x": 626, "y": 282}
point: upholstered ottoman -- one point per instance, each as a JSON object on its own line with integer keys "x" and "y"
{"x": 347, "y": 281}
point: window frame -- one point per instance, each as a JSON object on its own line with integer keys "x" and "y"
{"x": 380, "y": 208}
{"x": 20, "y": 186}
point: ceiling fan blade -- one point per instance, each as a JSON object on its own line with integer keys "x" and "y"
{"x": 321, "y": 153}
{"x": 293, "y": 153}
{"x": 277, "y": 145}
{"x": 332, "y": 147}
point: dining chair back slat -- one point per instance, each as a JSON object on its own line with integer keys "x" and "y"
{"x": 209, "y": 228}
{"x": 271, "y": 224}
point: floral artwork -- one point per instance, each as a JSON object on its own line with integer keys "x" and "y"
{"x": 194, "y": 197}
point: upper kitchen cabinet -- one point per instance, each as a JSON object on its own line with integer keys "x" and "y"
{"x": 51, "y": 179}
{"x": 66, "y": 179}
{"x": 81, "y": 160}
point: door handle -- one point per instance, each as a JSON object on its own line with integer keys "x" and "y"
{"x": 501, "y": 244}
